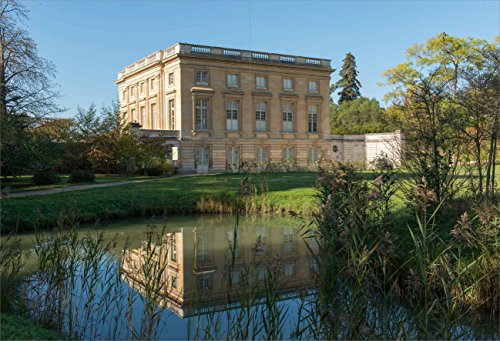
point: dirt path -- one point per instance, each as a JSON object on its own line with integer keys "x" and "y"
{"x": 88, "y": 186}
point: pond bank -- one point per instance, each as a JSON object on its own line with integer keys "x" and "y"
{"x": 271, "y": 193}
{"x": 16, "y": 327}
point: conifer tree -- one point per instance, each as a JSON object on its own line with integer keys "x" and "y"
{"x": 348, "y": 84}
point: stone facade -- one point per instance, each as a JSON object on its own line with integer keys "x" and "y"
{"x": 224, "y": 106}
{"x": 195, "y": 265}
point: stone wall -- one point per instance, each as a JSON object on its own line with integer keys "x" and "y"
{"x": 368, "y": 147}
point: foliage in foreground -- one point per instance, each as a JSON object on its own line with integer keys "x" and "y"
{"x": 431, "y": 288}
{"x": 376, "y": 281}
{"x": 13, "y": 327}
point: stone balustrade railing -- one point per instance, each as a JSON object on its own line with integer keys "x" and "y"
{"x": 183, "y": 48}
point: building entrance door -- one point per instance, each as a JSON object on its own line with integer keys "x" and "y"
{"x": 202, "y": 160}
{"x": 234, "y": 159}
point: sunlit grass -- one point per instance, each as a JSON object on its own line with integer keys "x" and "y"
{"x": 285, "y": 191}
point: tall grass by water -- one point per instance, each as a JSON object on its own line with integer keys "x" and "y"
{"x": 189, "y": 195}
{"x": 433, "y": 289}
{"x": 374, "y": 279}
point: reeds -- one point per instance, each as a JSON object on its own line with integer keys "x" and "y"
{"x": 371, "y": 282}
{"x": 367, "y": 289}
{"x": 76, "y": 285}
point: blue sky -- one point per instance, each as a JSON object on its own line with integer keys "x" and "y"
{"x": 90, "y": 41}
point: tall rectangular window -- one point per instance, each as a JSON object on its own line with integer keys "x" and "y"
{"x": 261, "y": 273}
{"x": 202, "y": 247}
{"x": 313, "y": 119}
{"x": 261, "y": 154}
{"x": 260, "y": 116}
{"x": 287, "y": 84}
{"x": 288, "y": 117}
{"x": 143, "y": 117}
{"x": 232, "y": 108}
{"x": 235, "y": 277}
{"x": 171, "y": 78}
{"x": 204, "y": 282}
{"x": 288, "y": 154}
{"x": 142, "y": 88}
{"x": 201, "y": 114}
{"x": 261, "y": 236}
{"x": 173, "y": 248}
{"x": 232, "y": 80}
{"x": 124, "y": 95}
{"x": 312, "y": 86}
{"x": 233, "y": 158}
{"x": 171, "y": 113}
{"x": 132, "y": 91}
{"x": 152, "y": 84}
{"x": 153, "y": 116}
{"x": 313, "y": 155}
{"x": 260, "y": 82}
{"x": 288, "y": 239}
{"x": 289, "y": 269}
{"x": 202, "y": 77}
{"x": 132, "y": 115}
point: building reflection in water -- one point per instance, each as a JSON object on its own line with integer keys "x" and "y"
{"x": 211, "y": 268}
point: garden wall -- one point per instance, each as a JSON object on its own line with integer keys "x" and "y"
{"x": 366, "y": 148}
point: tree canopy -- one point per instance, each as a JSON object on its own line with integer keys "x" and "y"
{"x": 448, "y": 94}
{"x": 361, "y": 116}
{"x": 27, "y": 89}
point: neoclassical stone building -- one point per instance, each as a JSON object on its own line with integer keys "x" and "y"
{"x": 195, "y": 265}
{"x": 222, "y": 106}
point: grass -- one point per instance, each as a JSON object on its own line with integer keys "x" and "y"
{"x": 280, "y": 192}
{"x": 23, "y": 183}
{"x": 272, "y": 193}
{"x": 14, "y": 327}
{"x": 371, "y": 284}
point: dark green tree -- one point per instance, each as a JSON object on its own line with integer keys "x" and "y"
{"x": 348, "y": 83}
{"x": 361, "y": 116}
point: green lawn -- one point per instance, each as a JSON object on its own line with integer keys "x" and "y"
{"x": 14, "y": 327}
{"x": 23, "y": 183}
{"x": 200, "y": 194}
{"x": 275, "y": 193}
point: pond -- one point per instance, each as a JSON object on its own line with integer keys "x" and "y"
{"x": 202, "y": 277}
{"x": 202, "y": 269}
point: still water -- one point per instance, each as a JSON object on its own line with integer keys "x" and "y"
{"x": 205, "y": 276}
{"x": 195, "y": 277}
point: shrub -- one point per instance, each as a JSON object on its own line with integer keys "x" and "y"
{"x": 46, "y": 178}
{"x": 159, "y": 168}
{"x": 382, "y": 162}
{"x": 81, "y": 176}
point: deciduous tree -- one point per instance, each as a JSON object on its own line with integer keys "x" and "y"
{"x": 27, "y": 89}
{"x": 447, "y": 91}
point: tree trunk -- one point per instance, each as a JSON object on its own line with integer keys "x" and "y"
{"x": 3, "y": 89}
{"x": 493, "y": 164}
{"x": 490, "y": 172}
{"x": 478, "y": 165}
